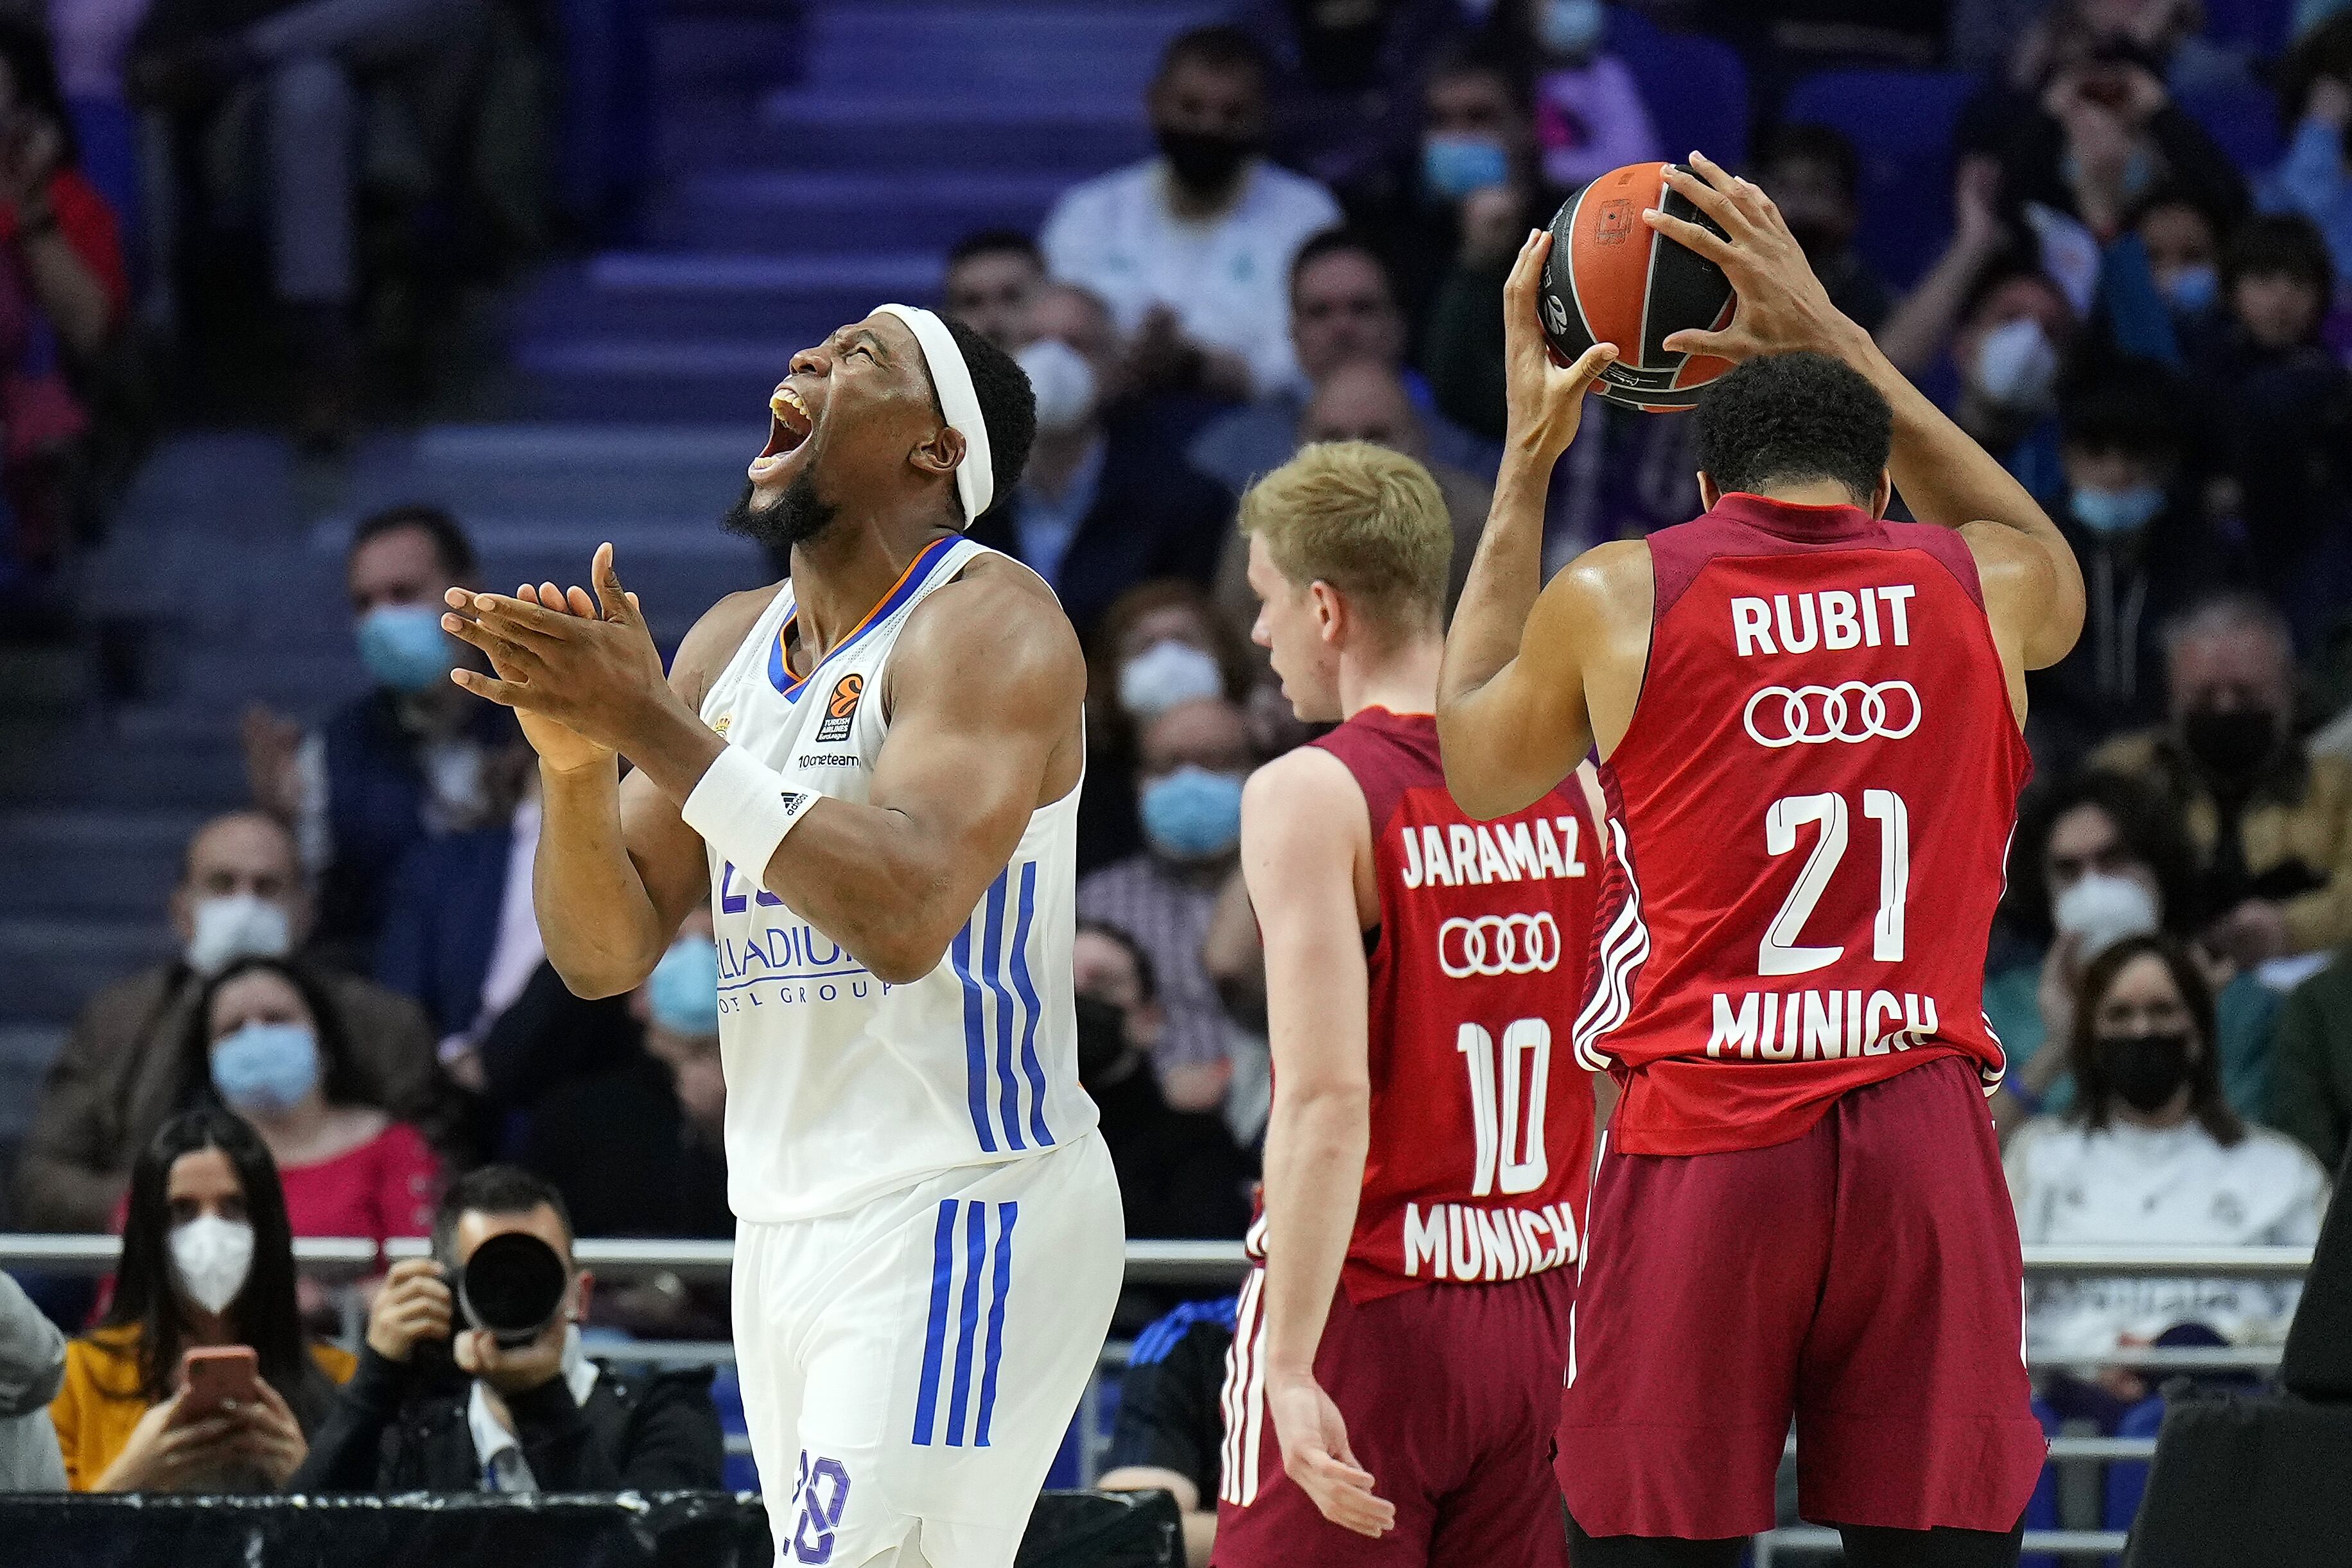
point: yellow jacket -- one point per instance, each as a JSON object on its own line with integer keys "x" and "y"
{"x": 100, "y": 1401}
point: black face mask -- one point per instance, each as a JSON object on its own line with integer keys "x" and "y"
{"x": 1203, "y": 162}
{"x": 1102, "y": 1038}
{"x": 2147, "y": 1071}
{"x": 2233, "y": 745}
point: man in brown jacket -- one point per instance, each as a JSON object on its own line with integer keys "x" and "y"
{"x": 240, "y": 891}
{"x": 2271, "y": 823}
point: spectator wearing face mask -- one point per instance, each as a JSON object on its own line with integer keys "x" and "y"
{"x": 2152, "y": 1156}
{"x": 1364, "y": 400}
{"x": 2146, "y": 552}
{"x": 2181, "y": 242}
{"x": 2014, "y": 335}
{"x": 1342, "y": 74}
{"x": 207, "y": 1260}
{"x": 1454, "y": 228}
{"x": 1179, "y": 1175}
{"x": 1191, "y": 760}
{"x": 408, "y": 758}
{"x": 1160, "y": 643}
{"x": 992, "y": 276}
{"x": 2281, "y": 406}
{"x": 240, "y": 895}
{"x": 1343, "y": 309}
{"x": 2270, "y": 825}
{"x": 641, "y": 1150}
{"x": 2098, "y": 857}
{"x": 264, "y": 1043}
{"x": 1589, "y": 116}
{"x": 1192, "y": 248}
{"x": 1105, "y": 502}
{"x": 2313, "y": 179}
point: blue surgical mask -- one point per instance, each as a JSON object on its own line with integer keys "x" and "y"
{"x": 1454, "y": 165}
{"x": 1571, "y": 28}
{"x": 2116, "y": 511}
{"x": 2016, "y": 366}
{"x": 683, "y": 994}
{"x": 1193, "y": 813}
{"x": 266, "y": 1067}
{"x": 2192, "y": 289}
{"x": 404, "y": 647}
{"x": 1165, "y": 674}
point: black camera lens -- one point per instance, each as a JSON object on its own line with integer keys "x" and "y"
{"x": 513, "y": 1286}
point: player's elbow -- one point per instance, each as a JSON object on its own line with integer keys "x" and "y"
{"x": 593, "y": 980}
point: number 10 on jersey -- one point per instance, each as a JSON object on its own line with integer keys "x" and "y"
{"x": 1507, "y": 1104}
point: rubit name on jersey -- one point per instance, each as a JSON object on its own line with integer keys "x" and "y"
{"x": 1462, "y": 854}
{"x": 1832, "y": 619}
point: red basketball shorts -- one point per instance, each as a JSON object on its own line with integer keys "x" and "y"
{"x": 1864, "y": 1277}
{"x": 1449, "y": 1392}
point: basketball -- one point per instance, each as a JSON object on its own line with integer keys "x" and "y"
{"x": 1612, "y": 278}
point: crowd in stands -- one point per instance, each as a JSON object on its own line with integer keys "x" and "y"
{"x": 265, "y": 206}
{"x": 2146, "y": 324}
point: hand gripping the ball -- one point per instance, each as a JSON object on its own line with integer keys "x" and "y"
{"x": 1544, "y": 398}
{"x": 1784, "y": 308}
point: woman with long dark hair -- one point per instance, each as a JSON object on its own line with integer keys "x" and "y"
{"x": 264, "y": 1042}
{"x": 2152, "y": 1156}
{"x": 207, "y": 1260}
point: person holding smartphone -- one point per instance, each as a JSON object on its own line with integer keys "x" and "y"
{"x": 156, "y": 1398}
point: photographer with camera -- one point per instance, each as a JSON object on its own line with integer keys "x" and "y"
{"x": 473, "y": 1379}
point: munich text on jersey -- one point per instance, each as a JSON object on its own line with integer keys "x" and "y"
{"x": 1821, "y": 1026}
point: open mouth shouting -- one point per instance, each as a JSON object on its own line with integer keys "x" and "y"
{"x": 790, "y": 424}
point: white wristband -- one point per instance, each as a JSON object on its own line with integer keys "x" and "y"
{"x": 742, "y": 810}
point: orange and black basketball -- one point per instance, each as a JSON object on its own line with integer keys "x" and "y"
{"x": 1612, "y": 278}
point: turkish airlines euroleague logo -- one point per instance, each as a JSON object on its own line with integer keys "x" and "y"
{"x": 841, "y": 708}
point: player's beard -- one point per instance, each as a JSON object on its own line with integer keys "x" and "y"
{"x": 796, "y": 517}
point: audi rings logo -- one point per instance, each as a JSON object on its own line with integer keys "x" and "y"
{"x": 1498, "y": 944}
{"x": 1851, "y": 711}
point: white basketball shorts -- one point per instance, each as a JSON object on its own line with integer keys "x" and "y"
{"x": 910, "y": 1368}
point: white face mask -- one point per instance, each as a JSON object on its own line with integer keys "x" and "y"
{"x": 211, "y": 1257}
{"x": 2101, "y": 910}
{"x": 1064, "y": 381}
{"x": 238, "y": 926}
{"x": 2016, "y": 366}
{"x": 1167, "y": 673}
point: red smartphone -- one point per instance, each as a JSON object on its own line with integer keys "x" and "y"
{"x": 216, "y": 1375}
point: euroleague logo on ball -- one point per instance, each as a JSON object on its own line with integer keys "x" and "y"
{"x": 1613, "y": 225}
{"x": 1498, "y": 944}
{"x": 1815, "y": 715}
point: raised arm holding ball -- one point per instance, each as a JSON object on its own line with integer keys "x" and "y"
{"x": 1808, "y": 724}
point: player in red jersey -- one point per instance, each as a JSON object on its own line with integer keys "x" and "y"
{"x": 1810, "y": 720}
{"x": 1397, "y": 1362}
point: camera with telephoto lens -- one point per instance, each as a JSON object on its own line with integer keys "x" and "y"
{"x": 513, "y": 1286}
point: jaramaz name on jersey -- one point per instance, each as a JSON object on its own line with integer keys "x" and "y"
{"x": 1463, "y": 854}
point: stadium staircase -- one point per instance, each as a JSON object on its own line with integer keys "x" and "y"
{"x": 805, "y": 174}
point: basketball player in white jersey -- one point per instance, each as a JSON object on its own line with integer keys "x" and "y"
{"x": 871, "y": 769}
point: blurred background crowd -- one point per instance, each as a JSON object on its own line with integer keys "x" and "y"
{"x": 312, "y": 309}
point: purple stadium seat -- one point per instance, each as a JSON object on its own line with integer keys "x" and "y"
{"x": 1900, "y": 122}
{"x": 1695, "y": 87}
{"x": 2261, "y": 28}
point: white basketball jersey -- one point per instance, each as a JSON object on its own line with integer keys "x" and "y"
{"x": 840, "y": 1087}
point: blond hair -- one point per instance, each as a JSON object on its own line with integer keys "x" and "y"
{"x": 1367, "y": 521}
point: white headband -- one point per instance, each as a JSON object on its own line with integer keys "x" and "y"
{"x": 975, "y": 479}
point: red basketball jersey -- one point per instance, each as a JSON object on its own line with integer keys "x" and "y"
{"x": 1481, "y": 1121}
{"x": 1809, "y": 812}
